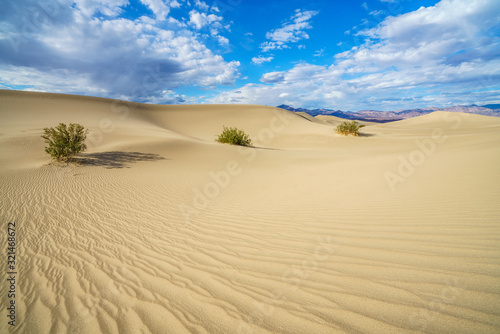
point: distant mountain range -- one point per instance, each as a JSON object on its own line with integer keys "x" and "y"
{"x": 389, "y": 116}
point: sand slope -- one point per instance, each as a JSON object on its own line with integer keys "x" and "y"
{"x": 164, "y": 230}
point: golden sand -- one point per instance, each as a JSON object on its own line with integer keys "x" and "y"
{"x": 164, "y": 230}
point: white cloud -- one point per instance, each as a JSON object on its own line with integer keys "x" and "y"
{"x": 200, "y": 20}
{"x": 260, "y": 59}
{"x": 160, "y": 8}
{"x": 210, "y": 21}
{"x": 111, "y": 57}
{"x": 107, "y": 7}
{"x": 377, "y": 12}
{"x": 202, "y": 5}
{"x": 290, "y": 32}
{"x": 273, "y": 77}
{"x": 223, "y": 40}
{"x": 268, "y": 46}
{"x": 448, "y": 53}
{"x": 113, "y": 8}
{"x": 319, "y": 53}
{"x": 430, "y": 35}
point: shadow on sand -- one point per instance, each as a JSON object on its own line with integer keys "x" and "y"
{"x": 116, "y": 159}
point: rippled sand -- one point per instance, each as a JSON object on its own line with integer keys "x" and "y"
{"x": 163, "y": 230}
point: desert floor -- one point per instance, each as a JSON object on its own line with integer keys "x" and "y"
{"x": 164, "y": 230}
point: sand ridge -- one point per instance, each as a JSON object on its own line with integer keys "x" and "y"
{"x": 163, "y": 230}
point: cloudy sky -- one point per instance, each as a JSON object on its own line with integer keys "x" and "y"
{"x": 348, "y": 55}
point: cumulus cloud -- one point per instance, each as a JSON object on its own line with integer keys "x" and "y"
{"x": 159, "y": 7}
{"x": 273, "y": 77}
{"x": 65, "y": 49}
{"x": 431, "y": 35}
{"x": 260, "y": 60}
{"x": 113, "y": 8}
{"x": 200, "y": 20}
{"x": 449, "y": 53}
{"x": 223, "y": 40}
{"x": 210, "y": 21}
{"x": 290, "y": 32}
{"x": 202, "y": 5}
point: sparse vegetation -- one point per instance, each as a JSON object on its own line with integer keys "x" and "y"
{"x": 65, "y": 141}
{"x": 234, "y": 136}
{"x": 349, "y": 128}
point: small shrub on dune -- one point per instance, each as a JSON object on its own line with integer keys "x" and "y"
{"x": 65, "y": 141}
{"x": 349, "y": 128}
{"x": 234, "y": 136}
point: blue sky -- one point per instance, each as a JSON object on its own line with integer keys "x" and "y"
{"x": 348, "y": 55}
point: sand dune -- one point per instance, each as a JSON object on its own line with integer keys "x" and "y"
{"x": 333, "y": 120}
{"x": 163, "y": 230}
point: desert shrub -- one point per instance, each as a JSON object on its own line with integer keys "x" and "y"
{"x": 234, "y": 136}
{"x": 65, "y": 141}
{"x": 349, "y": 128}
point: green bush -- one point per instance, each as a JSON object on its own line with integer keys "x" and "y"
{"x": 65, "y": 142}
{"x": 349, "y": 128}
{"x": 234, "y": 136}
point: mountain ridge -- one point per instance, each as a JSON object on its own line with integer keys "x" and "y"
{"x": 397, "y": 115}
